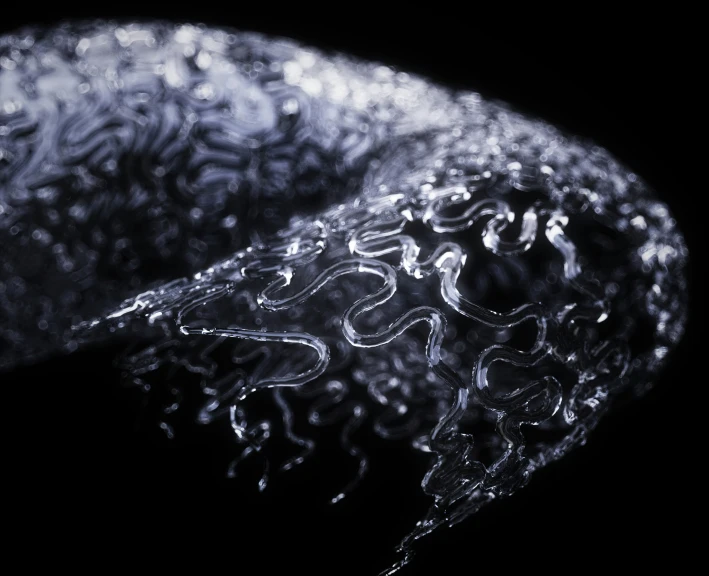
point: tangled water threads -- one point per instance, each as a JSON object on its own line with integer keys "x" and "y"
{"x": 286, "y": 224}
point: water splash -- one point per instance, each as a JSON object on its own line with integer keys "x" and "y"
{"x": 282, "y": 224}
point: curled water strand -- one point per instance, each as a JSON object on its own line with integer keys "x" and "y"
{"x": 305, "y": 443}
{"x": 447, "y": 261}
{"x": 321, "y": 349}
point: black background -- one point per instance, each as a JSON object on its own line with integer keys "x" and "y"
{"x": 85, "y": 486}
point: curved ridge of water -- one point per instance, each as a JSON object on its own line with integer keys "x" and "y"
{"x": 166, "y": 184}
